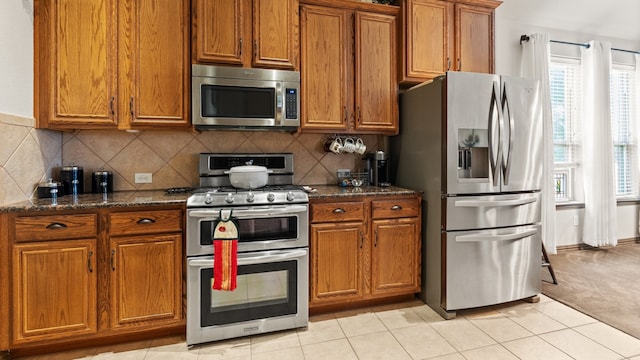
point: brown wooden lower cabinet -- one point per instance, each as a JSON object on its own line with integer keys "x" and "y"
{"x": 364, "y": 249}
{"x": 86, "y": 276}
{"x": 54, "y": 290}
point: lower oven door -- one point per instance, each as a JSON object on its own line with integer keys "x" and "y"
{"x": 271, "y": 295}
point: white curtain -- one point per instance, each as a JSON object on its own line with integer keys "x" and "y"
{"x": 597, "y": 148}
{"x": 636, "y": 116}
{"x": 535, "y": 65}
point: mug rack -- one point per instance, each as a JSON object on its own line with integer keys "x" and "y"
{"x": 329, "y": 144}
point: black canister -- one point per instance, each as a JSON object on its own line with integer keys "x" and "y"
{"x": 72, "y": 176}
{"x": 101, "y": 180}
{"x": 50, "y": 189}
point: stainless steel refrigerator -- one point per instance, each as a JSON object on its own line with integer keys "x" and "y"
{"x": 473, "y": 144}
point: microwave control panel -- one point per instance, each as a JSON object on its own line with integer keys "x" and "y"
{"x": 291, "y": 103}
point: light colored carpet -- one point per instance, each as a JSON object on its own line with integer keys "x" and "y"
{"x": 602, "y": 283}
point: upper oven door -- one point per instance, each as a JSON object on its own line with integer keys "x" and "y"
{"x": 259, "y": 228}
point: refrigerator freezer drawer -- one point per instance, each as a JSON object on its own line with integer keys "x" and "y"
{"x": 491, "y": 211}
{"x": 490, "y": 267}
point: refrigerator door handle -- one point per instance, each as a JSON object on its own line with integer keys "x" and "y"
{"x": 494, "y": 203}
{"x": 506, "y": 111}
{"x": 493, "y": 157}
{"x": 502, "y": 237}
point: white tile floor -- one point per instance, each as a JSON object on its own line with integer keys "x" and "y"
{"x": 520, "y": 330}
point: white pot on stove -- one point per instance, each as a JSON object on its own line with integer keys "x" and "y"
{"x": 248, "y": 176}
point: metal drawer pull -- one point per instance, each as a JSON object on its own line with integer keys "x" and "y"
{"x": 113, "y": 255}
{"x": 146, "y": 221}
{"x": 89, "y": 261}
{"x": 361, "y": 239}
{"x": 56, "y": 225}
{"x": 396, "y": 207}
{"x": 375, "y": 242}
{"x": 495, "y": 203}
{"x": 339, "y": 211}
{"x": 494, "y": 237}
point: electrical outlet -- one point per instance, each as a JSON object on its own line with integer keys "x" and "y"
{"x": 576, "y": 221}
{"x": 143, "y": 178}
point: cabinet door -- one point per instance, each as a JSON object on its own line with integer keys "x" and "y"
{"x": 155, "y": 79}
{"x": 326, "y": 70}
{"x": 220, "y": 31}
{"x": 395, "y": 262}
{"x": 275, "y": 33}
{"x": 336, "y": 262}
{"x": 376, "y": 88}
{"x": 75, "y": 60}
{"x": 474, "y": 39}
{"x": 54, "y": 290}
{"x": 146, "y": 280}
{"x": 428, "y": 39}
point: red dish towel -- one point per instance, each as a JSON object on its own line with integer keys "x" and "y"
{"x": 225, "y": 254}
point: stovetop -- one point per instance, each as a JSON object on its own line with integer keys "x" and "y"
{"x": 216, "y": 190}
{"x": 230, "y": 196}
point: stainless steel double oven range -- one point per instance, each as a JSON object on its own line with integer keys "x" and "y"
{"x": 273, "y": 251}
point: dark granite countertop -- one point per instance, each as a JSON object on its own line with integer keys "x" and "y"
{"x": 334, "y": 191}
{"x": 160, "y": 197}
{"x": 91, "y": 201}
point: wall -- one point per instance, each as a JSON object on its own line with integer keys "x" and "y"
{"x": 27, "y": 155}
{"x": 510, "y": 24}
{"x": 172, "y": 157}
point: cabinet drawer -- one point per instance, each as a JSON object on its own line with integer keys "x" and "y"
{"x": 145, "y": 222}
{"x": 345, "y": 211}
{"x": 398, "y": 208}
{"x": 52, "y": 227}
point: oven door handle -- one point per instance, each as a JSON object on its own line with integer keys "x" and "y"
{"x": 264, "y": 257}
{"x": 214, "y": 214}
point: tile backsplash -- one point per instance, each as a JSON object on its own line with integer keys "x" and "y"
{"x": 27, "y": 157}
{"x": 172, "y": 156}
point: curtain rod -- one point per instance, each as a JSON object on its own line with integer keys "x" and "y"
{"x": 525, "y": 38}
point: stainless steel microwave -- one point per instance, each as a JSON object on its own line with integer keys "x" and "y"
{"x": 244, "y": 98}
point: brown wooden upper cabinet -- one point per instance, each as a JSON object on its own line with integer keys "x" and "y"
{"x": 112, "y": 64}
{"x": 248, "y": 33}
{"x": 440, "y": 36}
{"x": 348, "y": 69}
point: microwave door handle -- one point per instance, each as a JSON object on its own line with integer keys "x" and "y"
{"x": 279, "y": 103}
{"x": 214, "y": 214}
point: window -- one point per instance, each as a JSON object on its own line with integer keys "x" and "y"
{"x": 565, "y": 81}
{"x": 566, "y": 97}
{"x": 623, "y": 129}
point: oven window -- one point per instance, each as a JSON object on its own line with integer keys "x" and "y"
{"x": 264, "y": 291}
{"x": 256, "y": 230}
{"x": 238, "y": 102}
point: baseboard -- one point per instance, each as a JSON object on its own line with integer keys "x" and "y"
{"x": 573, "y": 247}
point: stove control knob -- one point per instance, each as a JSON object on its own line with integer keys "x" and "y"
{"x": 270, "y": 197}
{"x": 229, "y": 199}
{"x": 208, "y": 199}
{"x": 250, "y": 197}
{"x": 290, "y": 196}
